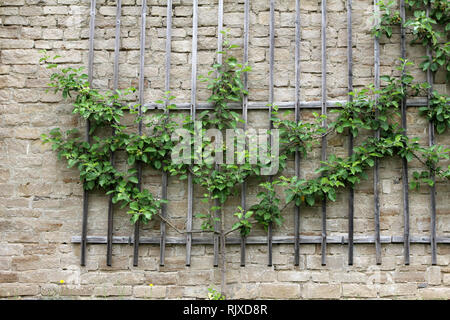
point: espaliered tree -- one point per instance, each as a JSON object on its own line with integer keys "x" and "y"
{"x": 429, "y": 23}
{"x": 358, "y": 114}
{"x": 221, "y": 181}
{"x": 154, "y": 147}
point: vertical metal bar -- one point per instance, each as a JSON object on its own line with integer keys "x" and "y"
{"x": 218, "y": 213}
{"x": 405, "y": 183}
{"x": 432, "y": 198}
{"x": 432, "y": 175}
{"x": 324, "y": 123}
{"x": 162, "y": 246}
{"x": 243, "y": 241}
{"x": 351, "y": 196}
{"x": 271, "y": 58}
{"x": 141, "y": 100}
{"x": 377, "y": 135}
{"x": 117, "y": 45}
{"x": 271, "y": 86}
{"x": 91, "y": 41}
{"x": 269, "y": 244}
{"x": 88, "y": 129}
{"x": 244, "y": 115}
{"x": 219, "y": 31}
{"x": 115, "y": 87}
{"x": 193, "y": 103}
{"x": 297, "y": 119}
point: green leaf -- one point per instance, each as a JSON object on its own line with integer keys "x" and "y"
{"x": 134, "y": 218}
{"x": 409, "y": 156}
{"x": 310, "y": 200}
{"x": 133, "y": 179}
{"x": 71, "y": 162}
{"x": 289, "y": 197}
{"x": 440, "y": 127}
{"x": 332, "y": 195}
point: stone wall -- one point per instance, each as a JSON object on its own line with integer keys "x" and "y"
{"x": 41, "y": 200}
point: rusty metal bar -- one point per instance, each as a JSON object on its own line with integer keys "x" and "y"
{"x": 88, "y": 129}
{"x": 281, "y": 105}
{"x": 244, "y": 115}
{"x": 405, "y": 183}
{"x": 141, "y": 99}
{"x": 351, "y": 196}
{"x": 297, "y": 119}
{"x": 376, "y": 166}
{"x": 324, "y": 122}
{"x": 192, "y": 112}
{"x": 112, "y": 158}
{"x": 218, "y": 213}
{"x": 432, "y": 175}
{"x": 271, "y": 87}
{"x": 162, "y": 246}
{"x": 260, "y": 240}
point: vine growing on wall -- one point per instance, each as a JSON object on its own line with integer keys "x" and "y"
{"x": 430, "y": 30}
{"x": 369, "y": 110}
{"x": 105, "y": 110}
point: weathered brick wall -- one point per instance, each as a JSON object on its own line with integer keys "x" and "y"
{"x": 41, "y": 200}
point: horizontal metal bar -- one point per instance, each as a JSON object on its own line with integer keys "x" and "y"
{"x": 263, "y": 240}
{"x": 281, "y": 105}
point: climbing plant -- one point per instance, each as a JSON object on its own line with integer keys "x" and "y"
{"x": 219, "y": 180}
{"x": 438, "y": 111}
{"x": 370, "y": 110}
{"x": 154, "y": 147}
{"x": 92, "y": 158}
{"x": 387, "y": 17}
{"x": 430, "y": 30}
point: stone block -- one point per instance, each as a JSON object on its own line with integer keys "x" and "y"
{"x": 149, "y": 292}
{"x": 293, "y": 276}
{"x": 398, "y": 289}
{"x": 321, "y": 291}
{"x": 358, "y": 291}
{"x": 433, "y": 275}
{"x": 117, "y": 291}
{"x": 15, "y": 290}
{"x": 279, "y": 291}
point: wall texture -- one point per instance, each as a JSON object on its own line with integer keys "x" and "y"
{"x": 41, "y": 200}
